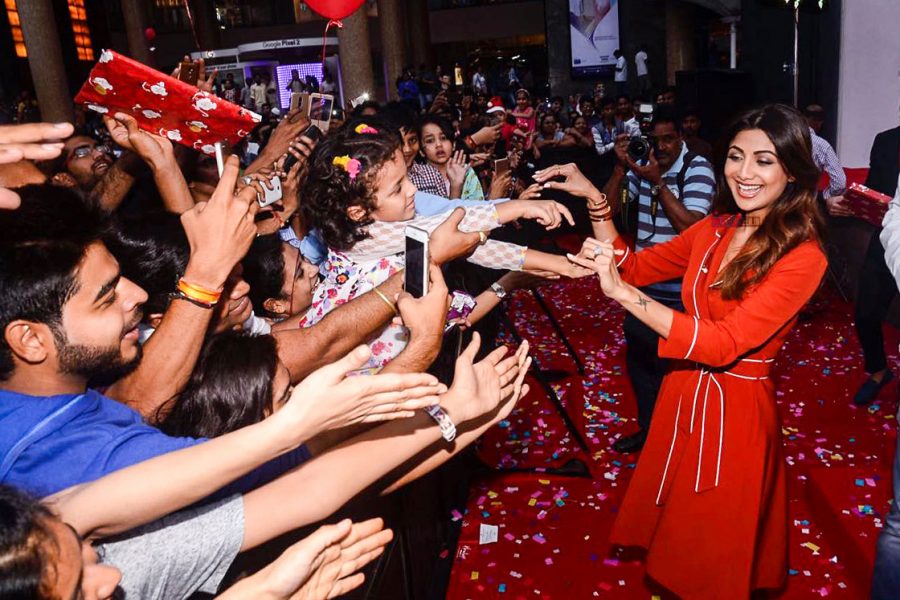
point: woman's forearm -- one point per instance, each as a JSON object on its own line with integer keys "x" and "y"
{"x": 651, "y": 313}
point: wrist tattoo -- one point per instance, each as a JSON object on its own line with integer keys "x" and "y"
{"x": 642, "y": 302}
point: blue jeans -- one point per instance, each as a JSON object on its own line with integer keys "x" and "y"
{"x": 886, "y": 580}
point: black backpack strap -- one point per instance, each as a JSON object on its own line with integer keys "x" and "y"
{"x": 688, "y": 159}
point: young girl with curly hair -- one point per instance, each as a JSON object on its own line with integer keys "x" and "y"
{"x": 359, "y": 199}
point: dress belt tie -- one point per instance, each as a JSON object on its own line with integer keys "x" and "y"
{"x": 704, "y": 479}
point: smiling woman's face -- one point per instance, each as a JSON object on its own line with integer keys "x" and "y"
{"x": 754, "y": 173}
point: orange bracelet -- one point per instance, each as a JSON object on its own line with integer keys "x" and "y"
{"x": 198, "y": 293}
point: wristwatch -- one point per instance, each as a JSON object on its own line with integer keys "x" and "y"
{"x": 654, "y": 190}
{"x": 498, "y": 289}
{"x": 448, "y": 429}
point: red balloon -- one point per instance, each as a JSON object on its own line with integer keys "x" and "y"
{"x": 334, "y": 9}
{"x": 150, "y": 34}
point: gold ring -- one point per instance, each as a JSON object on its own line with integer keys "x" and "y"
{"x": 483, "y": 237}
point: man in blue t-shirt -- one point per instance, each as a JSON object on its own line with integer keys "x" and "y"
{"x": 671, "y": 190}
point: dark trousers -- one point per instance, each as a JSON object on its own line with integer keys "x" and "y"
{"x": 886, "y": 579}
{"x": 645, "y": 368}
{"x": 877, "y": 289}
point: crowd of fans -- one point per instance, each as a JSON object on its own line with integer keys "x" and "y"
{"x": 174, "y": 365}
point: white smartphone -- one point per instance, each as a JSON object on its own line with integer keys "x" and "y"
{"x": 320, "y": 108}
{"x": 416, "y": 274}
{"x": 220, "y": 159}
{"x": 271, "y": 196}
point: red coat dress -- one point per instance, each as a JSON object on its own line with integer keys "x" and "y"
{"x": 708, "y": 498}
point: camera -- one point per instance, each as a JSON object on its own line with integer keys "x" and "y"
{"x": 640, "y": 145}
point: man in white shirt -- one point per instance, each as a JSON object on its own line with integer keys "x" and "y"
{"x": 621, "y": 77}
{"x": 258, "y": 93}
{"x": 479, "y": 83}
{"x": 643, "y": 74}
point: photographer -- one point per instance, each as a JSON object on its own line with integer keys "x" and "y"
{"x": 672, "y": 189}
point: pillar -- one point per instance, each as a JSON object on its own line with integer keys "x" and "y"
{"x": 356, "y": 55}
{"x": 419, "y": 33}
{"x": 681, "y": 53}
{"x": 732, "y": 40}
{"x": 393, "y": 46}
{"x": 45, "y": 60}
{"x": 206, "y": 26}
{"x": 135, "y": 25}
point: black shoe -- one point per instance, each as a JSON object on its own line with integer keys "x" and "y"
{"x": 870, "y": 388}
{"x": 630, "y": 443}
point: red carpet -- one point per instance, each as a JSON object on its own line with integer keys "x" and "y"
{"x": 552, "y": 539}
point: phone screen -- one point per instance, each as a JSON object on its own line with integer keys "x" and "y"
{"x": 414, "y": 282}
{"x": 320, "y": 109}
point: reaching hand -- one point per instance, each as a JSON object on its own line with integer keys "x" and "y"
{"x": 156, "y": 150}
{"x": 327, "y": 399}
{"x": 456, "y": 169}
{"x": 480, "y": 389}
{"x": 321, "y": 566}
{"x": 220, "y": 231}
{"x": 532, "y": 192}
{"x": 293, "y": 124}
{"x": 547, "y": 212}
{"x": 573, "y": 180}
{"x": 600, "y": 257}
{"x": 34, "y": 141}
{"x": 487, "y": 135}
{"x": 500, "y": 186}
{"x": 837, "y": 207}
{"x": 425, "y": 317}
{"x": 447, "y": 242}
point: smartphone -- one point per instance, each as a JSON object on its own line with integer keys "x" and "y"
{"x": 313, "y": 133}
{"x": 299, "y": 100}
{"x": 270, "y": 196}
{"x": 188, "y": 72}
{"x": 416, "y": 274}
{"x": 320, "y": 109}
{"x": 220, "y": 158}
{"x": 501, "y": 166}
{"x": 359, "y": 100}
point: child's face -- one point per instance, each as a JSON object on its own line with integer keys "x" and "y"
{"x": 521, "y": 101}
{"x": 436, "y": 146}
{"x": 394, "y": 192}
{"x": 410, "y": 145}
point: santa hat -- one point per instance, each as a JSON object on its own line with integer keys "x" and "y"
{"x": 495, "y": 104}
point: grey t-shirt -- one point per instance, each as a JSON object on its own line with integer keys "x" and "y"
{"x": 181, "y": 554}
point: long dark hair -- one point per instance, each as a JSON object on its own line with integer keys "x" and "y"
{"x": 230, "y": 388}
{"x": 329, "y": 191}
{"x": 794, "y": 217}
{"x": 27, "y": 546}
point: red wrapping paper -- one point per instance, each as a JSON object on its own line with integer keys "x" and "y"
{"x": 866, "y": 203}
{"x": 164, "y": 105}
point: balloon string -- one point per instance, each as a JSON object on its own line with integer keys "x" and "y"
{"x": 190, "y": 16}
{"x": 332, "y": 22}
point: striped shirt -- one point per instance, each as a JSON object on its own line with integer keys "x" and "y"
{"x": 699, "y": 187}
{"x": 827, "y": 161}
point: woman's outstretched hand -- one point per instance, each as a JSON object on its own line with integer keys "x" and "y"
{"x": 573, "y": 181}
{"x": 600, "y": 257}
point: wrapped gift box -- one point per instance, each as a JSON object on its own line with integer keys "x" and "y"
{"x": 164, "y": 105}
{"x": 867, "y": 204}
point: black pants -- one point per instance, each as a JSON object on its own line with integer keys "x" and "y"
{"x": 645, "y": 368}
{"x": 877, "y": 289}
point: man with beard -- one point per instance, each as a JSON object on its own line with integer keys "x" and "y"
{"x": 674, "y": 189}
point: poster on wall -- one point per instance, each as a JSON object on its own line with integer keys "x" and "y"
{"x": 594, "y": 30}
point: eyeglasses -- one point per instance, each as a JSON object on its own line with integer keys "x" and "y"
{"x": 83, "y": 151}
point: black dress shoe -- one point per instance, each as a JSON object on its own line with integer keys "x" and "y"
{"x": 869, "y": 390}
{"x": 630, "y": 443}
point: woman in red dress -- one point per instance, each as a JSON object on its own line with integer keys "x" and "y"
{"x": 708, "y": 500}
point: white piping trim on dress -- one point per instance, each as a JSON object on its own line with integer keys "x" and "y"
{"x": 662, "y": 481}
{"x": 702, "y": 434}
{"x": 696, "y": 332}
{"x": 624, "y": 256}
{"x": 721, "y": 427}
{"x": 696, "y": 391}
